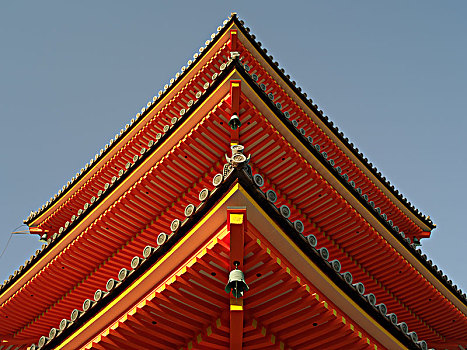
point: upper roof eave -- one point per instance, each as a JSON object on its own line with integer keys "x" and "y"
{"x": 92, "y": 166}
{"x": 419, "y": 218}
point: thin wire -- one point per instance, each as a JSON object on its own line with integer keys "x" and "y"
{"x": 9, "y": 239}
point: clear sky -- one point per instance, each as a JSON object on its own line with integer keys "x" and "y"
{"x": 392, "y": 75}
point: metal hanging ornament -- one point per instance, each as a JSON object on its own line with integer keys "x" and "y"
{"x": 236, "y": 283}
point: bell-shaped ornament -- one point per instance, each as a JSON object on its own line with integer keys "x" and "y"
{"x": 236, "y": 284}
{"x": 234, "y": 122}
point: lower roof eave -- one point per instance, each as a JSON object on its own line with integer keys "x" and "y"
{"x": 238, "y": 194}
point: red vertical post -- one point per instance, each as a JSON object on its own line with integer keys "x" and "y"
{"x": 236, "y": 225}
{"x": 233, "y": 40}
{"x": 235, "y": 90}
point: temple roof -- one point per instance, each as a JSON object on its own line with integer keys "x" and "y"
{"x": 210, "y": 150}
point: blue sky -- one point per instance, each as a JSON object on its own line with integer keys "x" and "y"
{"x": 391, "y": 75}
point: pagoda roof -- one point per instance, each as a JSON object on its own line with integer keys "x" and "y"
{"x": 146, "y": 152}
{"x": 237, "y": 182}
{"x": 162, "y": 143}
{"x": 92, "y": 165}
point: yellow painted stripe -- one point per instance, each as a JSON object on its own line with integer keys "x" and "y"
{"x": 236, "y": 218}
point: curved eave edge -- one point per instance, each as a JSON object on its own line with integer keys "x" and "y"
{"x": 240, "y": 177}
{"x": 422, "y": 258}
{"x": 134, "y": 122}
{"x": 332, "y": 127}
{"x": 56, "y": 237}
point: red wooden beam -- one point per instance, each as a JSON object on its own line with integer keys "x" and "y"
{"x": 236, "y": 225}
{"x": 233, "y": 40}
